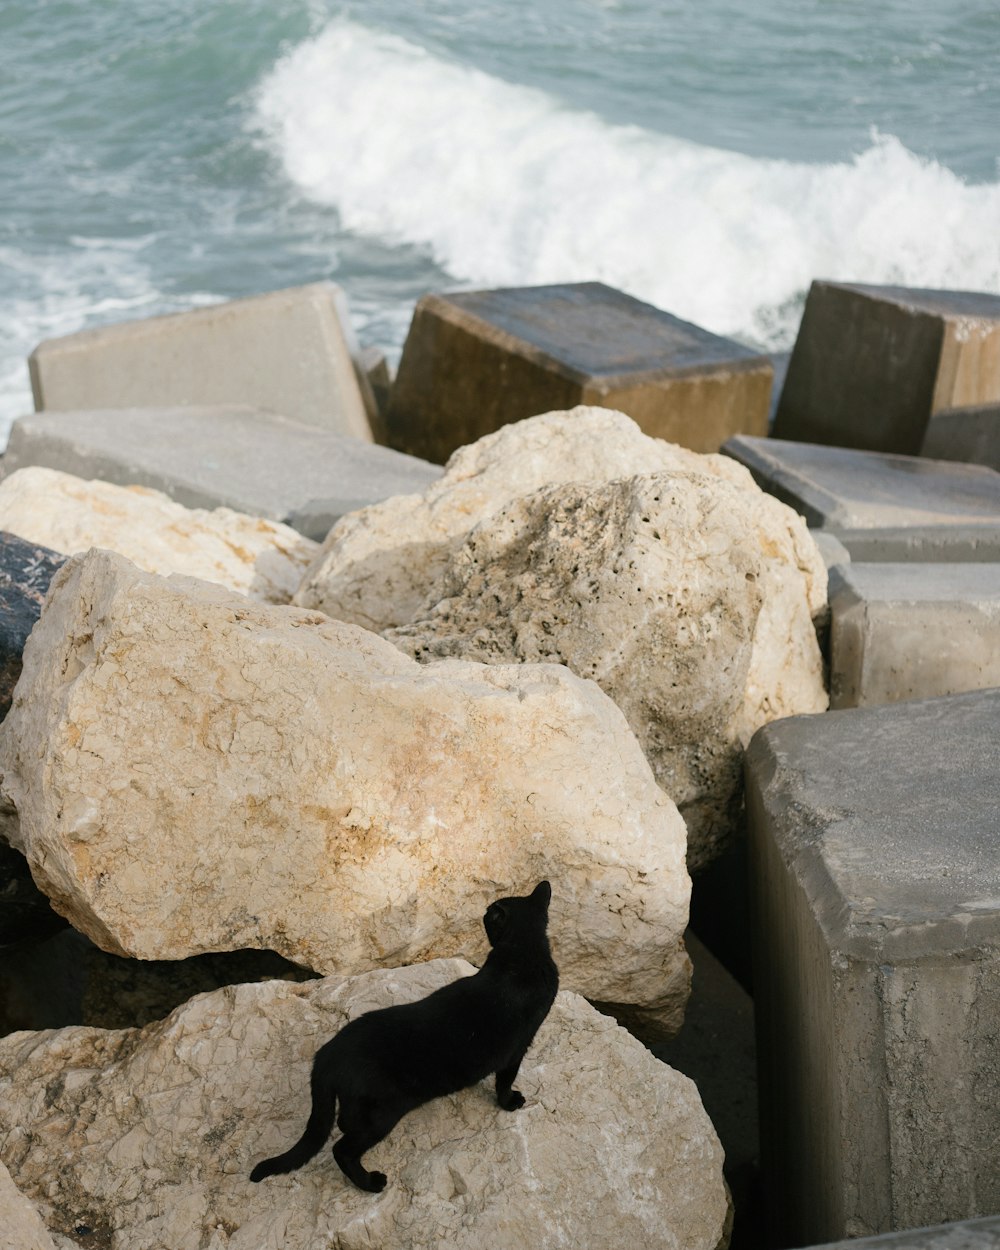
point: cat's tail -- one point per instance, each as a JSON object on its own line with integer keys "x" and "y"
{"x": 318, "y": 1129}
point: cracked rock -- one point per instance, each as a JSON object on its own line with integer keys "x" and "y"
{"x": 195, "y": 772}
{"x": 146, "y": 1137}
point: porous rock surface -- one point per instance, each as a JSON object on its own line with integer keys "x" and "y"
{"x": 192, "y": 771}
{"x": 681, "y": 595}
{"x": 687, "y": 593}
{"x": 377, "y": 565}
{"x": 21, "y": 1226}
{"x": 146, "y": 1137}
{"x": 263, "y": 559}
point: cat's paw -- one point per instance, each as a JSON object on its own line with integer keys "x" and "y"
{"x": 513, "y": 1101}
{"x": 376, "y": 1182}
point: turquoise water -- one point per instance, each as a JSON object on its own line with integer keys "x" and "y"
{"x": 711, "y": 158}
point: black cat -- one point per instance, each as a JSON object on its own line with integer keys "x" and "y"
{"x": 385, "y": 1063}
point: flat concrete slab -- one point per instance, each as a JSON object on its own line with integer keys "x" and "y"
{"x": 912, "y": 631}
{"x": 968, "y": 434}
{"x": 881, "y": 507}
{"x": 231, "y": 457}
{"x": 477, "y": 360}
{"x": 962, "y": 1235}
{"x": 872, "y": 364}
{"x": 285, "y": 351}
{"x": 874, "y": 838}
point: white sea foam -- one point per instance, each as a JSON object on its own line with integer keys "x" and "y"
{"x": 505, "y": 185}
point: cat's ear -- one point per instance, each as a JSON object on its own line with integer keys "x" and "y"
{"x": 495, "y": 920}
{"x": 541, "y": 894}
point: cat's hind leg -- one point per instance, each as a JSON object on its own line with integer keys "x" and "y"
{"x": 364, "y": 1124}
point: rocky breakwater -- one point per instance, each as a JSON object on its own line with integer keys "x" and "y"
{"x": 667, "y": 577}
{"x": 143, "y": 1138}
{"x": 195, "y": 772}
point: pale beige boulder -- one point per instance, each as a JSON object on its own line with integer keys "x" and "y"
{"x": 149, "y": 1136}
{"x": 682, "y": 595}
{"x": 377, "y": 565}
{"x": 263, "y": 559}
{"x": 21, "y": 1226}
{"x": 194, "y": 772}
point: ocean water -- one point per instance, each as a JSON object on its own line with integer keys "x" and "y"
{"x": 711, "y": 158}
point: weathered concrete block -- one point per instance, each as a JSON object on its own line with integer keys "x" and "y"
{"x": 875, "y": 868}
{"x": 871, "y": 364}
{"x": 478, "y": 360}
{"x": 962, "y": 1235}
{"x": 229, "y": 456}
{"x": 881, "y": 507}
{"x": 969, "y": 434}
{"x": 26, "y": 569}
{"x": 912, "y": 631}
{"x": 287, "y": 351}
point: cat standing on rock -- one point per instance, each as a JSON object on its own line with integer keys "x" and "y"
{"x": 388, "y": 1062}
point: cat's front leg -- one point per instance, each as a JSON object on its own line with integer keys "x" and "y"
{"x": 508, "y": 1098}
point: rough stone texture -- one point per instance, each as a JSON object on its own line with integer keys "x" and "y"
{"x": 286, "y": 351}
{"x": 25, "y": 573}
{"x": 194, "y": 772}
{"x": 969, "y": 434}
{"x": 259, "y": 558}
{"x": 679, "y": 594}
{"x": 912, "y": 631}
{"x": 149, "y": 1136}
{"x": 872, "y": 364}
{"x": 378, "y": 565}
{"x": 875, "y": 866}
{"x": 232, "y": 457}
{"x": 475, "y": 361}
{"x": 962, "y": 1235}
{"x": 21, "y": 1226}
{"x": 882, "y": 507}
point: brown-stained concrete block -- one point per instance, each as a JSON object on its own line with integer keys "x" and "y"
{"x": 477, "y": 360}
{"x": 872, "y": 364}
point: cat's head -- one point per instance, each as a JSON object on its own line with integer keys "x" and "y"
{"x": 518, "y": 913}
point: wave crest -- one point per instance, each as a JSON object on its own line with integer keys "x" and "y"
{"x": 504, "y": 185}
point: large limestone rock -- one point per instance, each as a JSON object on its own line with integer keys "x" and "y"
{"x": 263, "y": 559}
{"x": 21, "y": 1226}
{"x": 147, "y": 1137}
{"x": 195, "y": 772}
{"x": 377, "y": 564}
{"x": 688, "y": 594}
{"x": 679, "y": 595}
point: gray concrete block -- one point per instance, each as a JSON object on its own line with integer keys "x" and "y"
{"x": 234, "y": 457}
{"x": 477, "y": 360}
{"x": 962, "y": 1235}
{"x": 286, "y": 351}
{"x": 881, "y": 507}
{"x": 968, "y": 434}
{"x": 912, "y": 631}
{"x": 874, "y": 839}
{"x": 872, "y": 364}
